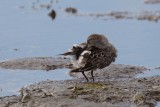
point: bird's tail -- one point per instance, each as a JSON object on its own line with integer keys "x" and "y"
{"x": 75, "y": 50}
{"x": 67, "y": 53}
{"x": 75, "y": 70}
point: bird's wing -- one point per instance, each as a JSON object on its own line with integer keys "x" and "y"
{"x": 90, "y": 62}
{"x": 86, "y": 61}
{"x": 94, "y": 60}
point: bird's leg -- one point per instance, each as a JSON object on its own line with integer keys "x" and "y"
{"x": 85, "y": 76}
{"x": 92, "y": 75}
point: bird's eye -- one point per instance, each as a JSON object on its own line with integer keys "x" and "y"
{"x": 89, "y": 41}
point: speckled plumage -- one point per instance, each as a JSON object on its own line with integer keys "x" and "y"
{"x": 96, "y": 53}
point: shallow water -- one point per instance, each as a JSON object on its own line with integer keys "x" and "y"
{"x": 149, "y": 73}
{"x": 158, "y": 104}
{"x": 12, "y": 80}
{"x": 27, "y": 31}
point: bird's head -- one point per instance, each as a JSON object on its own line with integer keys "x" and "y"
{"x": 97, "y": 40}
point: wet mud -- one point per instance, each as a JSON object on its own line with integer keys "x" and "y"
{"x": 36, "y": 63}
{"x": 152, "y": 1}
{"x": 71, "y": 10}
{"x": 117, "y": 15}
{"x": 114, "y": 86}
{"x": 111, "y": 15}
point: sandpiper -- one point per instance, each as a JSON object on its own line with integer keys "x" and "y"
{"x": 96, "y": 53}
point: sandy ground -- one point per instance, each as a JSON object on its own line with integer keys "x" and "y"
{"x": 114, "y": 86}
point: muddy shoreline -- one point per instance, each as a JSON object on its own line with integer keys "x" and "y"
{"x": 115, "y": 86}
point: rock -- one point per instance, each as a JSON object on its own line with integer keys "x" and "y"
{"x": 52, "y": 14}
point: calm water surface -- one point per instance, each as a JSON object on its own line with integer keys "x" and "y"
{"x": 33, "y": 33}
